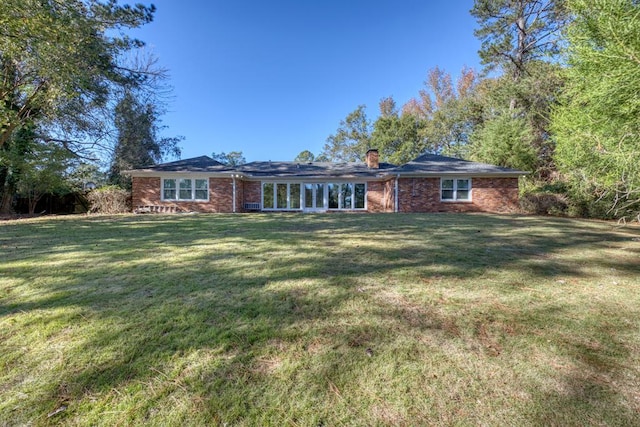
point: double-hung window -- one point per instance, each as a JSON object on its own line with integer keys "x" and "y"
{"x": 185, "y": 189}
{"x": 169, "y": 189}
{"x": 455, "y": 189}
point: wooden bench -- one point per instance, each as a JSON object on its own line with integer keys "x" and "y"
{"x": 252, "y": 206}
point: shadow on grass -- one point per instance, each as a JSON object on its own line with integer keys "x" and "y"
{"x": 161, "y": 287}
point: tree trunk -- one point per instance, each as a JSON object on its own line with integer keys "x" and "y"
{"x": 33, "y": 201}
{"x": 6, "y": 192}
{"x": 521, "y": 23}
{"x": 520, "y": 50}
{"x": 5, "y": 202}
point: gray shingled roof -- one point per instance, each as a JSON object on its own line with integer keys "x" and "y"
{"x": 195, "y": 164}
{"x": 312, "y": 169}
{"x": 428, "y": 164}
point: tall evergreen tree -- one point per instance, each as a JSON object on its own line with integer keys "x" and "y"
{"x": 597, "y": 126}
{"x": 517, "y": 32}
{"x": 521, "y": 40}
{"x": 138, "y": 141}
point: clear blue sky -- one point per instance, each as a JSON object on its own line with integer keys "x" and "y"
{"x": 273, "y": 78}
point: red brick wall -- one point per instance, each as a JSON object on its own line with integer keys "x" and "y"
{"x": 252, "y": 193}
{"x": 497, "y": 194}
{"x": 146, "y": 192}
{"x": 488, "y": 195}
{"x": 380, "y": 196}
{"x": 415, "y": 195}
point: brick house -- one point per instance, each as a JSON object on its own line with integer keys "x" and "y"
{"x": 430, "y": 183}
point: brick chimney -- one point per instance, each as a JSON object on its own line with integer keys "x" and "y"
{"x": 372, "y": 159}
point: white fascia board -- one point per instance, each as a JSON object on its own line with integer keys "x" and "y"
{"x": 167, "y": 174}
{"x": 323, "y": 178}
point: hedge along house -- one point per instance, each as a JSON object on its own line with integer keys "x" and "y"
{"x": 430, "y": 183}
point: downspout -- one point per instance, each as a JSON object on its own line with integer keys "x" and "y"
{"x": 396, "y": 194}
{"x": 234, "y": 193}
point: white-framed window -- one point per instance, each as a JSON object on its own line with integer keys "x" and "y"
{"x": 312, "y": 196}
{"x": 346, "y": 195}
{"x": 281, "y": 195}
{"x": 359, "y": 195}
{"x": 267, "y": 195}
{"x": 185, "y": 189}
{"x": 455, "y": 189}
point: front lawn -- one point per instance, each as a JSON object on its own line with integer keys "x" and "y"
{"x": 319, "y": 320}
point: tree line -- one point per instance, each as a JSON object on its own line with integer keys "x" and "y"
{"x": 557, "y": 97}
{"x": 75, "y": 90}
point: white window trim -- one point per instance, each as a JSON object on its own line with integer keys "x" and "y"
{"x": 193, "y": 188}
{"x": 325, "y": 196}
{"x": 314, "y": 206}
{"x": 341, "y": 199}
{"x": 275, "y": 195}
{"x": 455, "y": 189}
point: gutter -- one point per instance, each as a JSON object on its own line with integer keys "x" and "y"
{"x": 233, "y": 177}
{"x": 396, "y": 194}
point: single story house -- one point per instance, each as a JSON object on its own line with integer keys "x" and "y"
{"x": 430, "y": 183}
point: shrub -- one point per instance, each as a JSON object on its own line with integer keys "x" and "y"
{"x": 544, "y": 203}
{"x": 110, "y": 199}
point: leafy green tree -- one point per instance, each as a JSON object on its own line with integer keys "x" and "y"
{"x": 60, "y": 62}
{"x": 12, "y": 160}
{"x": 448, "y": 111}
{"x": 138, "y": 141}
{"x": 44, "y": 171}
{"x": 597, "y": 126}
{"x": 232, "y": 158}
{"x": 399, "y": 138}
{"x": 505, "y": 141}
{"x": 305, "y": 156}
{"x": 439, "y": 120}
{"x": 57, "y": 53}
{"x": 83, "y": 176}
{"x": 351, "y": 140}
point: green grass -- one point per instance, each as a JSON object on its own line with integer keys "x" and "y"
{"x": 319, "y": 320}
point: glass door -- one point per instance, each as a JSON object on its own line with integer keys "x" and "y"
{"x": 314, "y": 199}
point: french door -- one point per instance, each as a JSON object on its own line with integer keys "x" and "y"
{"x": 314, "y": 198}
